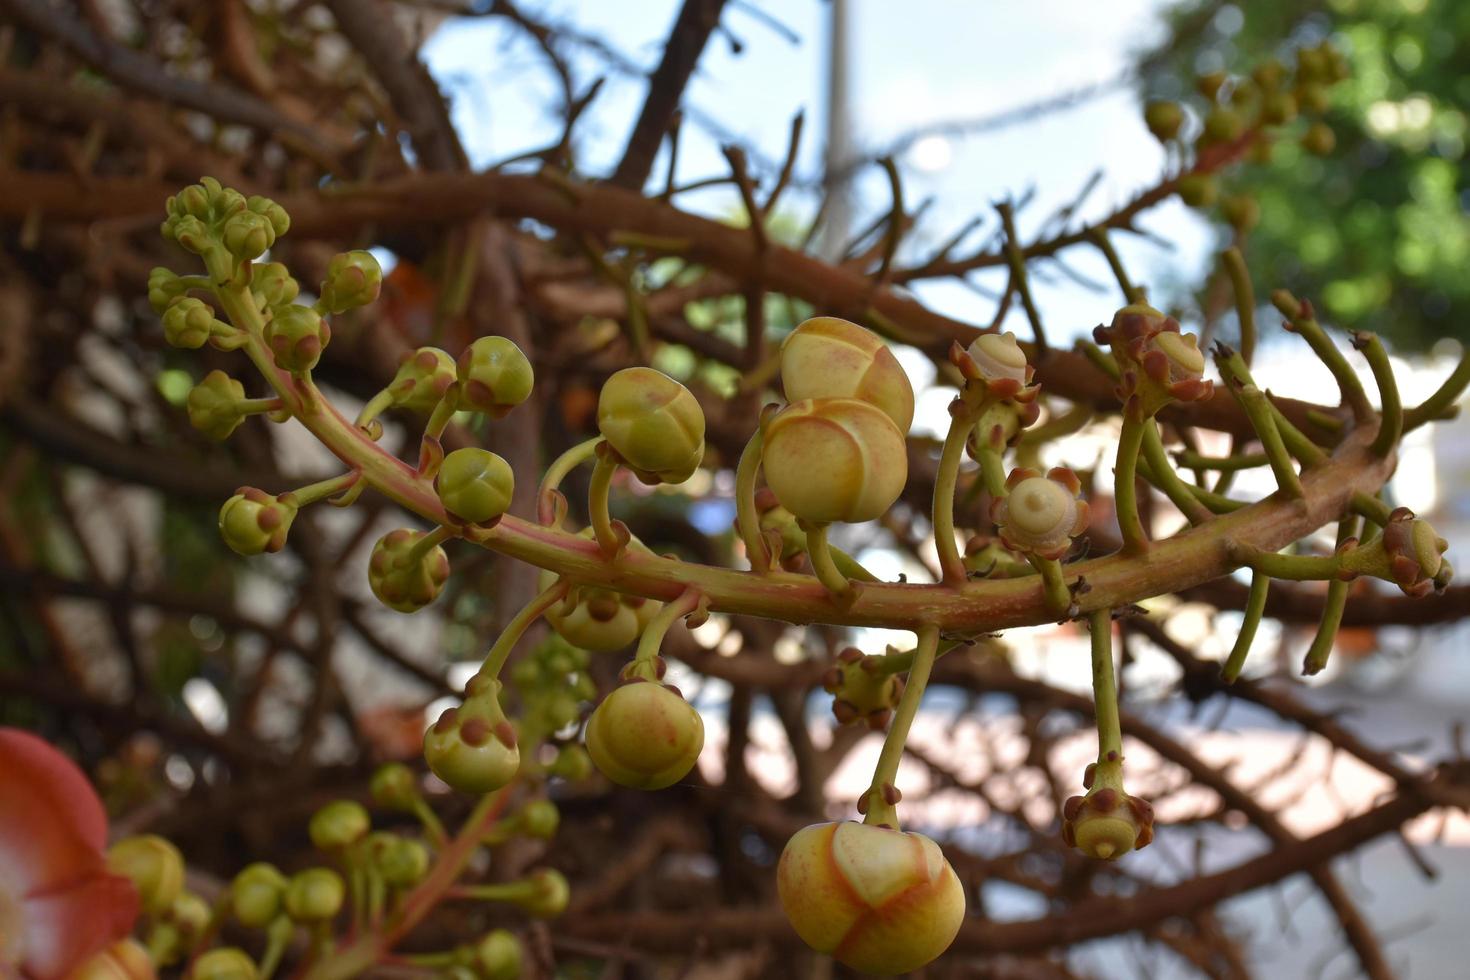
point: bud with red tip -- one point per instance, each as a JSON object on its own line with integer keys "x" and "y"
{"x": 1159, "y": 364}
{"x": 252, "y": 522}
{"x": 1107, "y": 823}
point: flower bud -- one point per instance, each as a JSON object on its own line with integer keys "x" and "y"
{"x": 155, "y": 867}
{"x": 314, "y": 895}
{"x": 1319, "y": 139}
{"x": 1223, "y": 125}
{"x": 402, "y": 580}
{"x": 548, "y": 896}
{"x": 497, "y": 956}
{"x": 998, "y": 357}
{"x": 827, "y": 357}
{"x": 253, "y": 522}
{"x": 539, "y": 819}
{"x": 403, "y": 862}
{"x": 225, "y": 963}
{"x": 1198, "y": 190}
{"x": 192, "y": 234}
{"x": 877, "y": 900}
{"x": 1210, "y": 83}
{"x": 189, "y": 323}
{"x": 214, "y": 405}
{"x": 279, "y": 220}
{"x": 123, "y": 960}
{"x": 256, "y": 895}
{"x": 600, "y": 619}
{"x": 1158, "y": 363}
{"x": 860, "y": 691}
{"x": 644, "y": 735}
{"x": 572, "y": 763}
{"x": 1313, "y": 97}
{"x": 1041, "y": 514}
{"x": 475, "y": 485}
{"x": 834, "y": 459}
{"x": 338, "y": 824}
{"x": 1242, "y": 211}
{"x": 1413, "y": 552}
{"x": 297, "y": 335}
{"x": 494, "y": 376}
{"x": 164, "y": 287}
{"x": 654, "y": 423}
{"x": 353, "y": 280}
{"x": 272, "y": 284}
{"x": 194, "y": 200}
{"x": 473, "y": 747}
{"x": 1269, "y": 74}
{"x": 191, "y": 914}
{"x": 423, "y": 378}
{"x": 1279, "y": 108}
{"x": 1164, "y": 119}
{"x": 1107, "y": 823}
{"x": 247, "y": 235}
{"x": 394, "y": 787}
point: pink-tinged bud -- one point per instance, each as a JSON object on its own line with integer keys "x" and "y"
{"x": 252, "y": 522}
{"x": 272, "y": 284}
{"x": 827, "y": 357}
{"x": 494, "y": 376}
{"x": 834, "y": 459}
{"x": 1107, "y": 823}
{"x": 1041, "y": 514}
{"x": 402, "y": 579}
{"x": 422, "y": 379}
{"x": 475, "y": 485}
{"x": 1409, "y": 553}
{"x": 599, "y": 619}
{"x": 860, "y": 691}
{"x": 878, "y": 900}
{"x": 644, "y": 735}
{"x": 654, "y": 423}
{"x": 297, "y": 335}
{"x": 189, "y": 323}
{"x": 474, "y": 747}
{"x": 1159, "y": 364}
{"x": 353, "y": 279}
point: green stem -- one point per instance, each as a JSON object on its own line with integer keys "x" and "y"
{"x": 1058, "y": 596}
{"x": 1391, "y": 423}
{"x": 1215, "y": 502}
{"x": 325, "y": 488}
{"x": 1245, "y": 301}
{"x": 1337, "y": 593}
{"x": 1099, "y": 237}
{"x": 516, "y": 628}
{"x": 258, "y": 406}
{"x": 1104, "y": 689}
{"x": 1164, "y": 477}
{"x": 658, "y": 627}
{"x": 993, "y": 472}
{"x": 821, "y": 556}
{"x": 277, "y": 938}
{"x": 747, "y": 520}
{"x": 849, "y": 566}
{"x": 951, "y": 566}
{"x": 1125, "y": 474}
{"x": 557, "y": 472}
{"x": 1100, "y": 358}
{"x": 376, "y": 406}
{"x": 1370, "y": 507}
{"x": 1016, "y": 259}
{"x": 433, "y": 828}
{"x": 1327, "y": 352}
{"x": 428, "y": 541}
{"x": 1191, "y": 460}
{"x": 880, "y": 811}
{"x": 1264, "y": 422}
{"x": 1443, "y": 399}
{"x": 431, "y": 451}
{"x": 1297, "y": 568}
{"x": 1232, "y": 367}
{"x": 1255, "y": 606}
{"x": 597, "y": 505}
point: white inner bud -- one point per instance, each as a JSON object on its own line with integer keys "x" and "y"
{"x": 1038, "y": 505}
{"x": 999, "y": 356}
{"x": 1183, "y": 353}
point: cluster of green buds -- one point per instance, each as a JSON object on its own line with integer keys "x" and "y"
{"x": 177, "y": 919}
{"x": 552, "y": 684}
{"x": 862, "y": 691}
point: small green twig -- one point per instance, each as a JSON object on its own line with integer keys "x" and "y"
{"x": 1255, "y": 606}
{"x": 1245, "y": 301}
{"x": 1391, "y": 422}
{"x": 500, "y": 652}
{"x": 598, "y": 513}
{"x": 1163, "y": 476}
{"x": 1337, "y": 593}
{"x": 1098, "y": 235}
{"x": 1443, "y": 399}
{"x": 1263, "y": 420}
{"x": 557, "y": 472}
{"x": 881, "y": 796}
{"x": 1304, "y": 322}
{"x": 1125, "y": 496}
{"x": 961, "y": 422}
{"x": 747, "y": 520}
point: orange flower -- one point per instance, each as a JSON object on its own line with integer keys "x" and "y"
{"x": 58, "y": 903}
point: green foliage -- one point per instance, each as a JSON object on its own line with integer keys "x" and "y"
{"x": 1377, "y": 233}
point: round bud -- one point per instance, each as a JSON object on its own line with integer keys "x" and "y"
{"x": 297, "y": 335}
{"x": 403, "y": 862}
{"x": 191, "y": 914}
{"x": 539, "y": 819}
{"x": 1223, "y": 125}
{"x": 1313, "y": 98}
{"x": 1210, "y": 83}
{"x": 1313, "y": 65}
{"x": 280, "y": 221}
{"x": 256, "y": 895}
{"x": 600, "y": 619}
{"x": 654, "y": 423}
{"x": 877, "y": 900}
{"x": 834, "y": 459}
{"x": 1107, "y": 823}
{"x": 1164, "y": 120}
{"x": 353, "y": 279}
{"x": 494, "y": 376}
{"x": 214, "y": 405}
{"x": 497, "y": 956}
{"x": 1319, "y": 139}
{"x": 1242, "y": 211}
{"x": 1269, "y": 74}
{"x": 272, "y": 284}
{"x": 123, "y": 960}
{"x": 338, "y": 824}
{"x": 314, "y": 895}
{"x": 164, "y": 288}
{"x": 999, "y": 357}
{"x": 251, "y": 522}
{"x": 645, "y": 736}
{"x": 860, "y": 692}
{"x": 423, "y": 377}
{"x": 473, "y": 747}
{"x": 153, "y": 865}
{"x": 188, "y": 323}
{"x": 1041, "y": 514}
{"x": 394, "y": 787}
{"x": 549, "y": 894}
{"x": 475, "y": 485}
{"x": 1198, "y": 190}
{"x": 827, "y": 357}
{"x": 402, "y": 580}
{"x": 572, "y": 763}
{"x": 225, "y": 963}
{"x": 1279, "y": 108}
{"x": 247, "y": 235}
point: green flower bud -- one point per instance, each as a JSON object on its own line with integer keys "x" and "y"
{"x": 1313, "y": 64}
{"x": 191, "y": 914}
{"x": 572, "y": 763}
{"x": 272, "y": 284}
{"x": 539, "y": 819}
{"x": 1241, "y": 211}
{"x": 423, "y": 378}
{"x": 164, "y": 287}
{"x": 225, "y": 963}
{"x": 1198, "y": 190}
{"x": 827, "y": 357}
{"x": 153, "y": 865}
{"x": 247, "y": 235}
{"x": 1313, "y": 98}
{"x": 834, "y": 459}
{"x": 314, "y": 895}
{"x": 394, "y": 787}
{"x": 1210, "y": 83}
{"x": 878, "y": 900}
{"x": 494, "y": 376}
{"x": 353, "y": 280}
{"x": 189, "y": 323}
{"x": 1319, "y": 139}
{"x": 860, "y": 691}
{"x": 214, "y": 405}
{"x": 475, "y": 485}
{"x": 497, "y": 956}
{"x": 1223, "y": 125}
{"x": 297, "y": 335}
{"x": 1279, "y": 108}
{"x": 600, "y": 619}
{"x": 338, "y": 824}
{"x": 1269, "y": 74}
{"x": 1163, "y": 119}
{"x": 401, "y": 580}
{"x": 256, "y": 895}
{"x": 654, "y": 423}
{"x": 549, "y": 894}
{"x": 192, "y": 234}
{"x": 473, "y": 747}
{"x": 644, "y": 735}
{"x": 276, "y": 215}
{"x": 193, "y": 199}
{"x": 1107, "y": 823}
{"x": 252, "y": 522}
{"x": 403, "y": 862}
